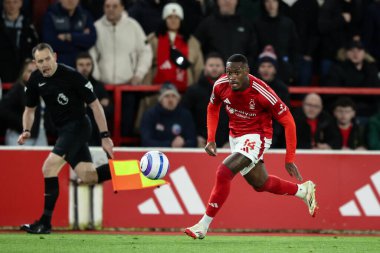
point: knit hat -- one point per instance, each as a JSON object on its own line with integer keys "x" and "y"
{"x": 172, "y": 9}
{"x": 354, "y": 44}
{"x": 268, "y": 55}
{"x": 168, "y": 88}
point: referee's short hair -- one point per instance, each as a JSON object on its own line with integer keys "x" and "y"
{"x": 40, "y": 47}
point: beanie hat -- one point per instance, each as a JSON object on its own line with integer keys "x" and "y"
{"x": 172, "y": 9}
{"x": 168, "y": 88}
{"x": 268, "y": 55}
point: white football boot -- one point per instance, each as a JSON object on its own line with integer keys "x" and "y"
{"x": 309, "y": 197}
{"x": 198, "y": 231}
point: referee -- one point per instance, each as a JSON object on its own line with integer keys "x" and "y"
{"x": 65, "y": 93}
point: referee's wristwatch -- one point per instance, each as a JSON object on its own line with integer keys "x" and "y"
{"x": 105, "y": 134}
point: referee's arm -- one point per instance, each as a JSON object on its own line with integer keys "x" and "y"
{"x": 27, "y": 123}
{"x": 100, "y": 119}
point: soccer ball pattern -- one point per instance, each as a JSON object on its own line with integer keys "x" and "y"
{"x": 154, "y": 165}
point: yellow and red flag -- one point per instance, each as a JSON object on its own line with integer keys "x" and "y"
{"x": 126, "y": 175}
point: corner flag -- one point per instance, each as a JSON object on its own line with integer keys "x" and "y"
{"x": 126, "y": 175}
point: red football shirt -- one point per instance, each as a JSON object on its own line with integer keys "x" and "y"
{"x": 250, "y": 111}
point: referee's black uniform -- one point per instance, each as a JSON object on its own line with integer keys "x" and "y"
{"x": 65, "y": 94}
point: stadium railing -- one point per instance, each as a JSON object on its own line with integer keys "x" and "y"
{"x": 117, "y": 91}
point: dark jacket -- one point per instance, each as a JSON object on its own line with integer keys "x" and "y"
{"x": 345, "y": 74}
{"x": 57, "y": 20}
{"x": 159, "y": 127}
{"x": 148, "y": 13}
{"x": 324, "y": 133}
{"x": 196, "y": 99}
{"x": 11, "y": 56}
{"x": 280, "y": 32}
{"x": 371, "y": 30}
{"x": 334, "y": 30}
{"x": 227, "y": 35}
{"x": 304, "y": 14}
{"x": 355, "y": 139}
{"x": 374, "y": 132}
{"x": 12, "y": 107}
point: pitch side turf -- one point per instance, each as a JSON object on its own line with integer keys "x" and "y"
{"x": 114, "y": 243}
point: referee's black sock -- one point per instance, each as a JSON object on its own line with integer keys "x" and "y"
{"x": 51, "y": 195}
{"x": 104, "y": 173}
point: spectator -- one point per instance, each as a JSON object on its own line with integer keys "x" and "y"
{"x": 12, "y": 107}
{"x": 275, "y": 29}
{"x": 69, "y": 29}
{"x": 39, "y": 8}
{"x": 356, "y": 69}
{"x": 121, "y": 56}
{"x": 350, "y": 134}
{"x": 371, "y": 30}
{"x": 168, "y": 124}
{"x": 374, "y": 132}
{"x": 338, "y": 22}
{"x": 215, "y": 33}
{"x": 149, "y": 13}
{"x": 85, "y": 65}
{"x": 267, "y": 71}
{"x": 177, "y": 55}
{"x": 197, "y": 98}
{"x": 314, "y": 126}
{"x": 304, "y": 14}
{"x": 249, "y": 9}
{"x": 18, "y": 37}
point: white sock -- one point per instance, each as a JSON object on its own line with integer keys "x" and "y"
{"x": 206, "y": 220}
{"x": 301, "y": 192}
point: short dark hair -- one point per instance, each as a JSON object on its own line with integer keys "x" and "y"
{"x": 40, "y": 47}
{"x": 84, "y": 55}
{"x": 213, "y": 55}
{"x": 238, "y": 58}
{"x": 344, "y": 101}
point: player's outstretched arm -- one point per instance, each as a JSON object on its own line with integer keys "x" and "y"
{"x": 289, "y": 125}
{"x": 100, "y": 119}
{"x": 27, "y": 123}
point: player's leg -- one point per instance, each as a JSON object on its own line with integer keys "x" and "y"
{"x": 51, "y": 168}
{"x": 224, "y": 175}
{"x": 259, "y": 179}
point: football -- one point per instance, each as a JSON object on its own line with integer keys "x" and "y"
{"x": 154, "y": 165}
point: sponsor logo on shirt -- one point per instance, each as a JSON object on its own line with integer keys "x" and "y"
{"x": 62, "y": 99}
{"x": 41, "y": 84}
{"x": 239, "y": 113}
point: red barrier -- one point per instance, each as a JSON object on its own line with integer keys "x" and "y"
{"x": 348, "y": 191}
{"x": 22, "y": 189}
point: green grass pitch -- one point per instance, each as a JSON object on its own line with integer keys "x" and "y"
{"x": 114, "y": 243}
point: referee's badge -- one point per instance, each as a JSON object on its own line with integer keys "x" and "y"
{"x": 62, "y": 99}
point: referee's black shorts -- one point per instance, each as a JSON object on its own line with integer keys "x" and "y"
{"x": 72, "y": 141}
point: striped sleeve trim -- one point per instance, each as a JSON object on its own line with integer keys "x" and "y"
{"x": 269, "y": 96}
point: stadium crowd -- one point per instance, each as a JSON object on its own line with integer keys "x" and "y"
{"x": 183, "y": 45}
